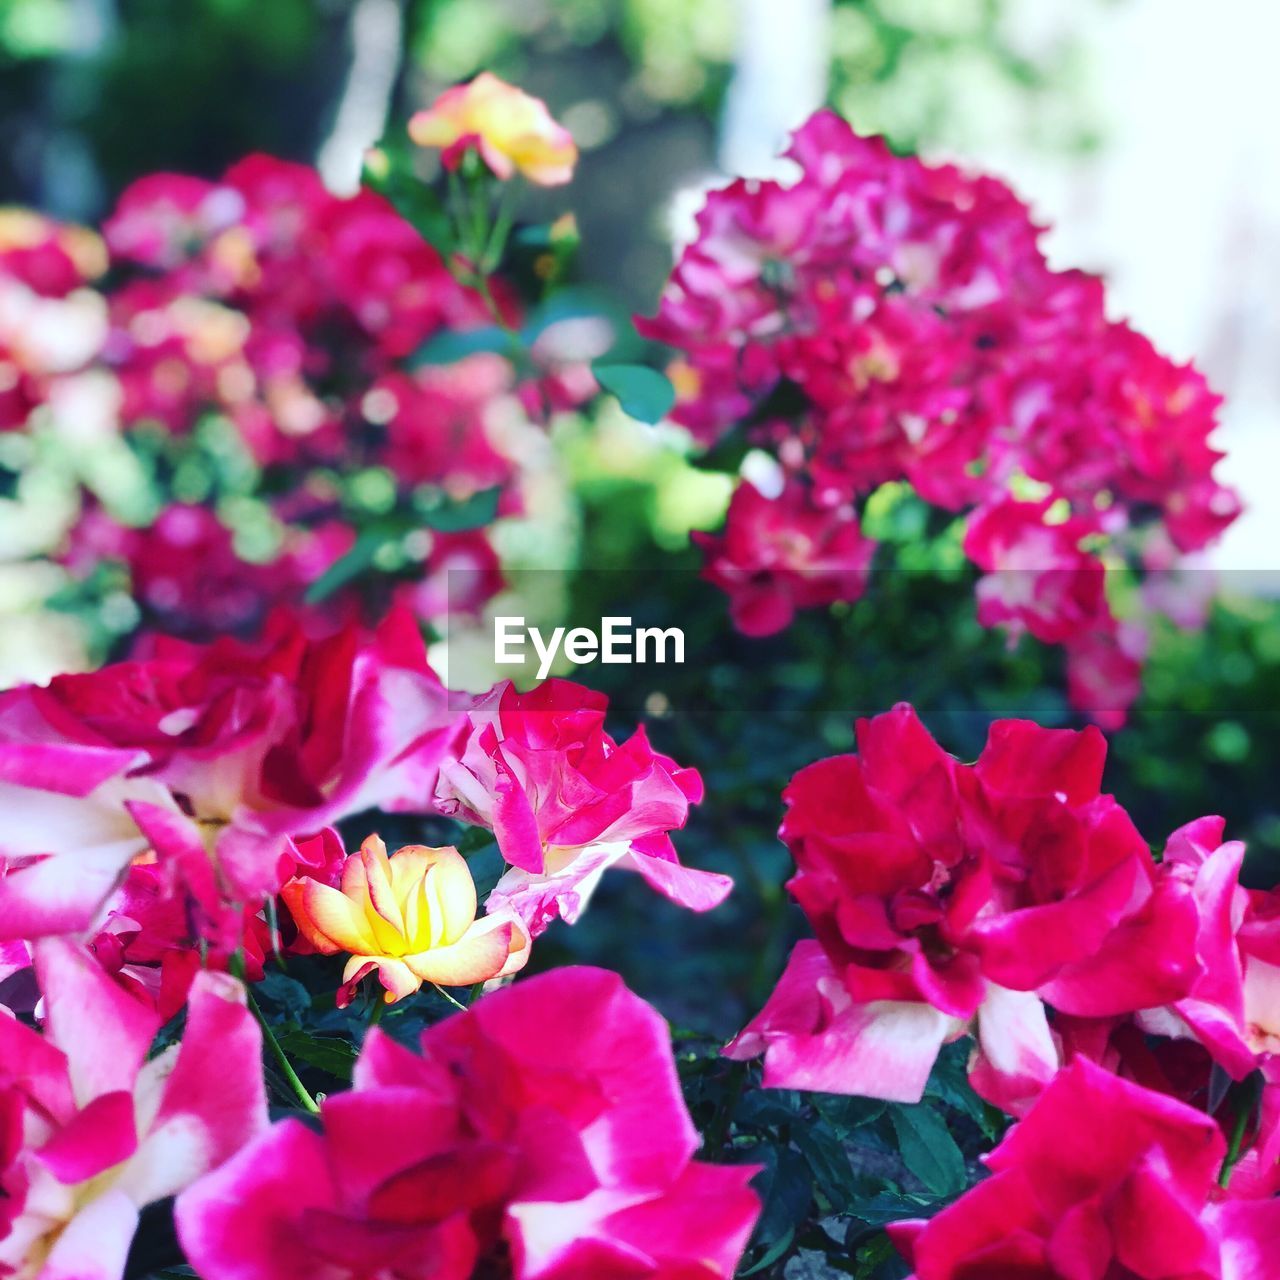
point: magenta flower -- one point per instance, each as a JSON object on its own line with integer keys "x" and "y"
{"x": 91, "y": 1131}
{"x": 566, "y": 802}
{"x": 209, "y": 758}
{"x": 948, "y": 897}
{"x": 777, "y": 555}
{"x": 540, "y": 1134}
{"x": 877, "y": 319}
{"x": 1102, "y": 1178}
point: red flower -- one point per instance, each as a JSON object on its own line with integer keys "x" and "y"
{"x": 946, "y": 895}
{"x": 782, "y": 554}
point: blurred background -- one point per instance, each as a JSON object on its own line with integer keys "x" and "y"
{"x": 1139, "y": 128}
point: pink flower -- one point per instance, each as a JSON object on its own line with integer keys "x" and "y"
{"x": 778, "y": 555}
{"x": 1039, "y": 579}
{"x": 150, "y": 941}
{"x": 210, "y": 757}
{"x": 164, "y": 218}
{"x": 461, "y": 574}
{"x": 1102, "y": 1178}
{"x": 1104, "y": 671}
{"x": 187, "y": 576}
{"x": 438, "y": 425}
{"x": 947, "y": 896}
{"x": 540, "y": 1133}
{"x": 1233, "y": 1008}
{"x": 50, "y": 258}
{"x": 566, "y": 802}
{"x": 93, "y": 1132}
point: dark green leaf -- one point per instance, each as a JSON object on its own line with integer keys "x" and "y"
{"x": 887, "y": 1207}
{"x": 785, "y": 1191}
{"x": 474, "y": 839}
{"x": 644, "y": 393}
{"x": 928, "y": 1149}
{"x": 287, "y": 993}
{"x": 328, "y": 1053}
{"x": 829, "y": 1164}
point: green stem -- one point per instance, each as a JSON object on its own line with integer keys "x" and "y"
{"x": 273, "y": 927}
{"x": 456, "y": 1003}
{"x": 1237, "y": 1141}
{"x": 477, "y": 990}
{"x": 236, "y": 965}
{"x": 379, "y": 1008}
{"x": 502, "y": 224}
{"x": 278, "y": 1053}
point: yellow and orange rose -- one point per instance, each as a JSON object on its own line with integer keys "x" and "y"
{"x": 411, "y": 917}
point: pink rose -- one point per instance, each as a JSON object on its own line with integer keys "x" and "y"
{"x": 91, "y": 1131}
{"x": 541, "y": 1132}
{"x": 948, "y": 897}
{"x": 1102, "y": 1178}
{"x": 211, "y": 757}
{"x": 565, "y": 802}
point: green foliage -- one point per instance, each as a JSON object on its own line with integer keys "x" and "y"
{"x": 644, "y": 393}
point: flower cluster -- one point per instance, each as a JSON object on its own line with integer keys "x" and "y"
{"x": 52, "y": 321}
{"x": 160, "y": 802}
{"x": 260, "y": 353}
{"x": 1106, "y": 993}
{"x": 208, "y": 759}
{"x": 883, "y": 320}
{"x": 169, "y": 821}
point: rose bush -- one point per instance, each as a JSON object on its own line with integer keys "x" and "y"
{"x": 264, "y": 855}
{"x": 880, "y": 320}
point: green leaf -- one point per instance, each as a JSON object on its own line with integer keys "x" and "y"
{"x": 644, "y": 393}
{"x": 357, "y": 561}
{"x": 472, "y": 513}
{"x": 450, "y": 346}
{"x": 886, "y": 1207}
{"x": 829, "y": 1163}
{"x": 285, "y": 992}
{"x": 474, "y": 839}
{"x": 772, "y": 1254}
{"x": 928, "y": 1149}
{"x": 328, "y": 1053}
{"x": 785, "y": 1191}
